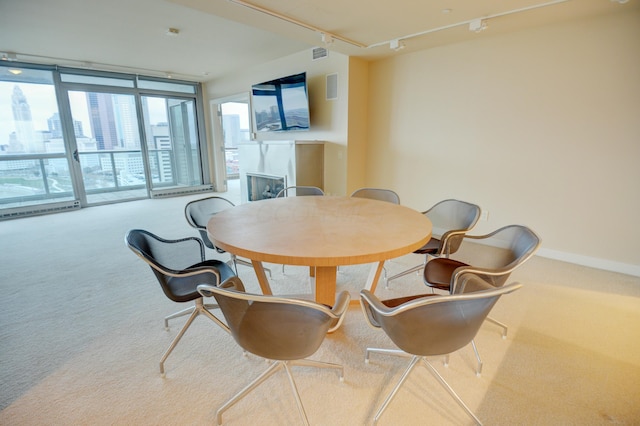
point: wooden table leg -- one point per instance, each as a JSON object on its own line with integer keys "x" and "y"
{"x": 262, "y": 277}
{"x": 374, "y": 276}
{"x": 326, "y": 284}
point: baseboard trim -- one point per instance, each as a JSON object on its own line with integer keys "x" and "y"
{"x": 593, "y": 262}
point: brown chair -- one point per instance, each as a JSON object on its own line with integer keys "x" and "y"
{"x": 513, "y": 245}
{"x": 179, "y": 266}
{"x": 283, "y": 330}
{"x": 451, "y": 219}
{"x": 430, "y": 326}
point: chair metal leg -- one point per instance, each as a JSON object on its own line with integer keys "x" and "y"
{"x": 175, "y": 341}
{"x": 197, "y": 309}
{"x": 181, "y": 313}
{"x": 296, "y": 394}
{"x": 318, "y": 364}
{"x": 395, "y": 352}
{"x": 416, "y": 268}
{"x": 387, "y": 401}
{"x": 251, "y": 386}
{"x": 455, "y": 396}
{"x": 498, "y": 323}
{"x": 272, "y": 370}
{"x": 475, "y": 350}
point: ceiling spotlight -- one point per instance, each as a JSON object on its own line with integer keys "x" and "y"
{"x": 15, "y": 71}
{"x": 169, "y": 75}
{"x": 478, "y": 25}
{"x": 173, "y": 32}
{"x": 396, "y": 44}
{"x": 327, "y": 38}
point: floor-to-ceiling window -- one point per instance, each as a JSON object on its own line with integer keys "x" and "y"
{"x": 34, "y": 166}
{"x": 88, "y": 137}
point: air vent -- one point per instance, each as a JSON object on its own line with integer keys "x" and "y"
{"x": 180, "y": 191}
{"x": 319, "y": 53}
{"x": 38, "y": 210}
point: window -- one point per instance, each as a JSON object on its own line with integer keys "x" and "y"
{"x": 77, "y": 136}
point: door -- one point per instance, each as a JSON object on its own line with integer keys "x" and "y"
{"x": 107, "y": 138}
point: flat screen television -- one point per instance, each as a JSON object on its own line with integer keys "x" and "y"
{"x": 281, "y": 105}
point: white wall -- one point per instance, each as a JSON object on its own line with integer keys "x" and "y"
{"x": 540, "y": 127}
{"x": 328, "y": 118}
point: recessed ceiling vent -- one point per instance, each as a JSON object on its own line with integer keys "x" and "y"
{"x": 319, "y": 53}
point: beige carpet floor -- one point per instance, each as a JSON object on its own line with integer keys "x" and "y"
{"x": 81, "y": 335}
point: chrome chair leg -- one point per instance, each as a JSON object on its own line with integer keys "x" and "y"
{"x": 475, "y": 350}
{"x": 273, "y": 368}
{"x": 498, "y": 323}
{"x": 393, "y": 393}
{"x": 318, "y": 364}
{"x": 394, "y": 352}
{"x": 294, "y": 388}
{"x": 196, "y": 310}
{"x": 416, "y": 268}
{"x": 455, "y": 396}
{"x": 181, "y": 313}
{"x": 251, "y": 386}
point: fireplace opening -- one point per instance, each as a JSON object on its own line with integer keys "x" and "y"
{"x": 263, "y": 187}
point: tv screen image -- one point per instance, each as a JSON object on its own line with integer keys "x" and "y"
{"x": 281, "y": 105}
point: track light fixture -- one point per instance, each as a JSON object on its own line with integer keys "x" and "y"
{"x": 478, "y": 25}
{"x": 396, "y": 44}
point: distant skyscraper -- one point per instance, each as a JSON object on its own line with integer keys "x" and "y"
{"x": 55, "y": 126}
{"x": 26, "y": 135}
{"x": 102, "y": 120}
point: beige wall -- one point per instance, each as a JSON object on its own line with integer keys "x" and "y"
{"x": 329, "y": 118}
{"x": 541, "y": 127}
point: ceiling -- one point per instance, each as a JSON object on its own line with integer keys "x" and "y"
{"x": 220, "y": 37}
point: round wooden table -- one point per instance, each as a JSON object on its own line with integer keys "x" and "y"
{"x": 321, "y": 232}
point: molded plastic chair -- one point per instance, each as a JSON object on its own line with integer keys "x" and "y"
{"x": 430, "y": 326}
{"x": 180, "y": 266}
{"x": 516, "y": 244}
{"x": 299, "y": 191}
{"x": 198, "y": 213}
{"x": 284, "y": 330}
{"x": 377, "y": 194}
{"x": 451, "y": 219}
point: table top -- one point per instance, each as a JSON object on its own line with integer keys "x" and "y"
{"x": 319, "y": 231}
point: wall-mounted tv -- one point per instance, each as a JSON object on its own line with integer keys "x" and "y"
{"x": 281, "y": 105}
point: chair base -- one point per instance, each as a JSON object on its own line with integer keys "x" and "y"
{"x": 278, "y": 365}
{"x": 199, "y": 308}
{"x": 414, "y": 361}
{"x": 416, "y": 268}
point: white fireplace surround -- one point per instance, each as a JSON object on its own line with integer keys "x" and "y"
{"x": 297, "y": 162}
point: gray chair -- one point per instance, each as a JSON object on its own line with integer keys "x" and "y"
{"x": 179, "y": 266}
{"x": 377, "y": 194}
{"x": 512, "y": 245}
{"x": 298, "y": 191}
{"x": 198, "y": 213}
{"x": 451, "y": 220}
{"x": 430, "y": 326}
{"x": 283, "y": 330}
